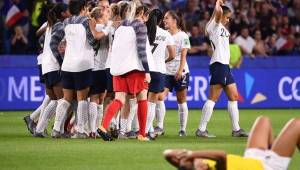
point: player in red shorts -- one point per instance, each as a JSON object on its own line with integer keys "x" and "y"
{"x": 129, "y": 68}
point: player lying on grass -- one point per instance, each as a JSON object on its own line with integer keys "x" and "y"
{"x": 262, "y": 151}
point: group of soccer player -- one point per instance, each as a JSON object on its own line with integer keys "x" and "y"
{"x": 107, "y": 69}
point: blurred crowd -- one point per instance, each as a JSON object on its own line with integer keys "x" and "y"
{"x": 258, "y": 27}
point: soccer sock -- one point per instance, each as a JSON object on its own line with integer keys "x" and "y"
{"x": 160, "y": 113}
{"x": 123, "y": 125}
{"x": 112, "y": 109}
{"x": 35, "y": 115}
{"x": 62, "y": 127}
{"x": 61, "y": 111}
{"x": 46, "y": 116}
{"x": 132, "y": 114}
{"x": 82, "y": 110}
{"x": 234, "y": 115}
{"x": 150, "y": 116}
{"x": 142, "y": 115}
{"x": 183, "y": 113}
{"x": 100, "y": 114}
{"x": 92, "y": 116}
{"x": 207, "y": 111}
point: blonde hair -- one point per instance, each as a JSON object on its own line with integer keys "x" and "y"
{"x": 96, "y": 13}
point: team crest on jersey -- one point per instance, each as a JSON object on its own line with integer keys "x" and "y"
{"x": 186, "y": 42}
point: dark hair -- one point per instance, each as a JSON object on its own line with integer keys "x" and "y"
{"x": 91, "y": 5}
{"x": 76, "y": 6}
{"x": 225, "y": 9}
{"x": 179, "y": 19}
{"x": 54, "y": 14}
{"x": 155, "y": 18}
{"x": 140, "y": 9}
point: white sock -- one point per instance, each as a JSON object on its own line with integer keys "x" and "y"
{"x": 150, "y": 116}
{"x": 99, "y": 115}
{"x": 81, "y": 114}
{"x": 132, "y": 113}
{"x": 46, "y": 116}
{"x": 183, "y": 113}
{"x": 207, "y": 111}
{"x": 123, "y": 125}
{"x": 234, "y": 115}
{"x": 61, "y": 111}
{"x": 93, "y": 112}
{"x": 160, "y": 113}
{"x": 35, "y": 115}
{"x": 62, "y": 127}
{"x": 135, "y": 124}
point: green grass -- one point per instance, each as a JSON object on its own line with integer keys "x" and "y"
{"x": 18, "y": 150}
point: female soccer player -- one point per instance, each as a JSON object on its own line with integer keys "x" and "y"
{"x": 177, "y": 73}
{"x": 161, "y": 42}
{"x": 130, "y": 68}
{"x": 262, "y": 151}
{"x": 78, "y": 63}
{"x": 51, "y": 65}
{"x": 32, "y": 119}
{"x": 221, "y": 76}
{"x": 99, "y": 79}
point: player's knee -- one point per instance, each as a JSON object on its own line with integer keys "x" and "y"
{"x": 296, "y": 122}
{"x": 264, "y": 119}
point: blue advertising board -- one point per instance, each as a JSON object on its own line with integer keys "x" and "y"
{"x": 277, "y": 87}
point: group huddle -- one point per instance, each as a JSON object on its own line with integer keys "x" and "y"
{"x": 107, "y": 69}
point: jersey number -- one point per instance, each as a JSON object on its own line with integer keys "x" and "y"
{"x": 154, "y": 47}
{"x": 213, "y": 45}
{"x": 223, "y": 33}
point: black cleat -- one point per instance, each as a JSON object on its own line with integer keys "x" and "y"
{"x": 30, "y": 124}
{"x": 104, "y": 135}
{"x": 239, "y": 133}
{"x": 114, "y": 133}
{"x": 40, "y": 135}
{"x": 151, "y": 136}
{"x": 204, "y": 134}
{"x": 182, "y": 133}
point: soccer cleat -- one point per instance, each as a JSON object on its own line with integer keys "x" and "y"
{"x": 182, "y": 133}
{"x": 114, "y": 133}
{"x": 122, "y": 136}
{"x": 131, "y": 135}
{"x": 40, "y": 135}
{"x": 159, "y": 131}
{"x": 142, "y": 138}
{"x": 78, "y": 135}
{"x": 30, "y": 124}
{"x": 204, "y": 134}
{"x": 239, "y": 133}
{"x": 55, "y": 134}
{"x": 104, "y": 135}
{"x": 92, "y": 135}
{"x": 151, "y": 136}
{"x": 66, "y": 135}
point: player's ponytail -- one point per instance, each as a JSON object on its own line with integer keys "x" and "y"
{"x": 124, "y": 8}
{"x": 55, "y": 13}
{"x": 155, "y": 18}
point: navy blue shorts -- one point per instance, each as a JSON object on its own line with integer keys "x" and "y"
{"x": 42, "y": 80}
{"x": 52, "y": 78}
{"x": 220, "y": 74}
{"x": 181, "y": 84}
{"x": 76, "y": 80}
{"x": 157, "y": 83}
{"x": 109, "y": 81}
{"x": 99, "y": 81}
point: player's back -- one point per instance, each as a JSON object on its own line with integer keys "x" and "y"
{"x": 219, "y": 38}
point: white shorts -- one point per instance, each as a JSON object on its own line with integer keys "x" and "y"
{"x": 270, "y": 159}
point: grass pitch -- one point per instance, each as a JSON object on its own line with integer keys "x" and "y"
{"x": 18, "y": 150}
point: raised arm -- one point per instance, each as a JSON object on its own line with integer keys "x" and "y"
{"x": 218, "y": 12}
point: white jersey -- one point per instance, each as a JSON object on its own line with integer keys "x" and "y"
{"x": 219, "y": 38}
{"x": 79, "y": 55}
{"x": 49, "y": 62}
{"x": 124, "y": 56}
{"x": 111, "y": 35}
{"x": 40, "y": 59}
{"x": 159, "y": 48}
{"x": 101, "y": 57}
{"x": 181, "y": 40}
